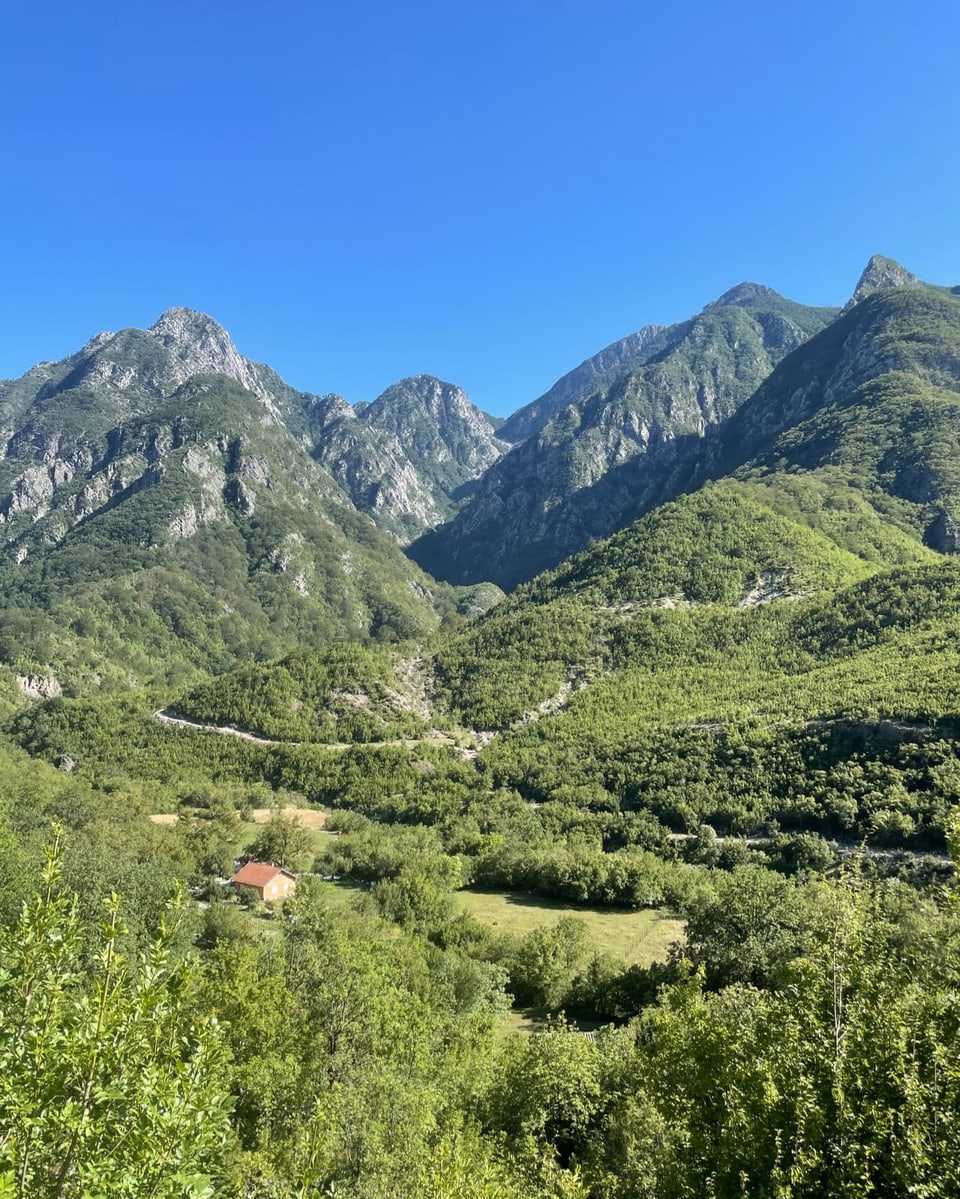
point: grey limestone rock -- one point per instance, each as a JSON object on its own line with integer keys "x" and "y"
{"x": 879, "y": 274}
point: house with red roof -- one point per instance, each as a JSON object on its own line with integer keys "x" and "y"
{"x": 269, "y": 882}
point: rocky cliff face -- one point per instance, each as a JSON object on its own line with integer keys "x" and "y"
{"x": 584, "y": 471}
{"x": 409, "y": 457}
{"x": 404, "y": 460}
{"x": 202, "y": 451}
{"x": 80, "y": 435}
{"x": 197, "y": 345}
{"x": 587, "y": 379}
{"x": 880, "y": 274}
{"x": 438, "y": 427}
{"x": 145, "y": 365}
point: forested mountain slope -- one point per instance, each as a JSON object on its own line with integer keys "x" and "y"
{"x": 807, "y": 589}
{"x": 156, "y": 519}
{"x": 872, "y": 400}
{"x": 586, "y": 467}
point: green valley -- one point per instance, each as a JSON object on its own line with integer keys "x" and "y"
{"x": 689, "y": 790}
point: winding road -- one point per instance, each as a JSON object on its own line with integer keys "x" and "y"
{"x": 434, "y": 737}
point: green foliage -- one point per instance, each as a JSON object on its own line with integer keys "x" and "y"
{"x": 351, "y": 693}
{"x": 517, "y": 657}
{"x": 109, "y": 1082}
{"x": 841, "y": 1083}
{"x": 687, "y": 720}
{"x": 349, "y": 1067}
{"x": 209, "y": 828}
{"x": 747, "y": 928}
{"x": 548, "y": 1088}
{"x": 547, "y": 959}
{"x": 283, "y": 841}
{"x": 719, "y": 544}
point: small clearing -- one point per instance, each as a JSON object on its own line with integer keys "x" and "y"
{"x": 770, "y": 586}
{"x": 557, "y": 702}
{"x": 308, "y": 817}
{"x": 416, "y": 687}
{"x": 635, "y": 938}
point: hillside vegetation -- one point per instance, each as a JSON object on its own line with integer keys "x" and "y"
{"x": 353, "y": 693}
{"x": 731, "y": 719}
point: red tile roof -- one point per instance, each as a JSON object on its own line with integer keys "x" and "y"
{"x": 258, "y": 874}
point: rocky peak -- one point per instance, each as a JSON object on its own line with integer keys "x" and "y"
{"x": 879, "y": 274}
{"x": 98, "y": 341}
{"x": 427, "y": 415}
{"x": 407, "y": 457}
{"x": 199, "y": 346}
{"x": 322, "y": 411}
{"x": 632, "y": 413}
{"x": 742, "y": 295}
{"x": 179, "y": 326}
{"x": 419, "y": 394}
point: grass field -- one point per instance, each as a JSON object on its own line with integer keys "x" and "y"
{"x": 635, "y": 938}
{"x": 251, "y": 829}
{"x": 342, "y": 894}
{"x": 308, "y": 817}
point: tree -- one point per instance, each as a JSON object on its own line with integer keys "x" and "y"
{"x": 107, "y": 1075}
{"x": 546, "y": 961}
{"x": 210, "y": 829}
{"x": 283, "y": 842}
{"x": 748, "y": 928}
{"x": 548, "y": 1087}
{"x": 844, "y": 1081}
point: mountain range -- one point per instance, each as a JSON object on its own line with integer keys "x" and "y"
{"x": 597, "y": 447}
{"x": 688, "y": 651}
{"x": 165, "y": 500}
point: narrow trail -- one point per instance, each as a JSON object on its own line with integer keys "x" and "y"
{"x": 416, "y": 690}
{"x": 843, "y": 849}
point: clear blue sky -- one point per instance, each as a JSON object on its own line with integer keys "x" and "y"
{"x": 489, "y": 192}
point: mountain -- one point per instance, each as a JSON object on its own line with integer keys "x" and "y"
{"x": 872, "y": 402}
{"x": 739, "y": 712}
{"x": 405, "y": 459}
{"x": 879, "y": 274}
{"x": 631, "y": 414}
{"x": 119, "y": 373}
{"x": 409, "y": 457}
{"x": 160, "y": 506}
{"x": 589, "y": 377}
{"x": 777, "y": 641}
{"x": 159, "y": 485}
